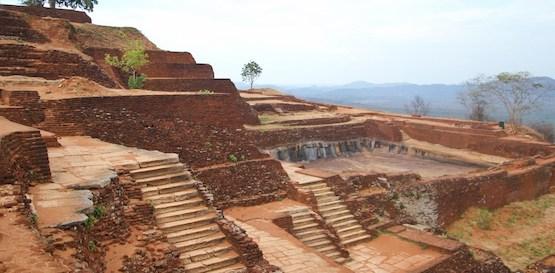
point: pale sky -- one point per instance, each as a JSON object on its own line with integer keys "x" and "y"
{"x": 333, "y": 41}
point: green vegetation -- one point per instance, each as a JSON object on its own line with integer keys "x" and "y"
{"x": 251, "y": 71}
{"x": 519, "y": 233}
{"x": 484, "y": 219}
{"x": 33, "y": 219}
{"x": 87, "y": 5}
{"x": 134, "y": 57}
{"x": 98, "y": 212}
{"x": 92, "y": 246}
{"x": 232, "y": 158}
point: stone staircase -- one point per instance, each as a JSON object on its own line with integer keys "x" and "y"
{"x": 336, "y": 214}
{"x": 184, "y": 218}
{"x": 307, "y": 230}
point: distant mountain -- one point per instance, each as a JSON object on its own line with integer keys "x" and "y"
{"x": 394, "y": 96}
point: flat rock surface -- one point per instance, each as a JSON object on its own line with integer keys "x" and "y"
{"x": 78, "y": 166}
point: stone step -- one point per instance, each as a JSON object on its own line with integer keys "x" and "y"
{"x": 308, "y": 232}
{"x": 347, "y": 223}
{"x": 305, "y": 227}
{"x": 201, "y": 243}
{"x": 157, "y": 171}
{"x": 303, "y": 221}
{"x": 311, "y": 186}
{"x": 355, "y": 240}
{"x": 339, "y": 219}
{"x": 327, "y": 199}
{"x": 327, "y": 249}
{"x": 321, "y": 190}
{"x": 172, "y": 197}
{"x": 336, "y": 213}
{"x": 332, "y": 208}
{"x": 351, "y": 234}
{"x": 238, "y": 267}
{"x": 167, "y": 188}
{"x": 325, "y": 205}
{"x": 348, "y": 229}
{"x": 179, "y": 205}
{"x": 167, "y": 159}
{"x": 205, "y": 253}
{"x": 164, "y": 179}
{"x": 301, "y": 216}
{"x": 324, "y": 194}
{"x": 333, "y": 254}
{"x": 192, "y": 233}
{"x": 315, "y": 238}
{"x": 188, "y": 223}
{"x": 181, "y": 214}
{"x": 211, "y": 264}
{"x": 319, "y": 244}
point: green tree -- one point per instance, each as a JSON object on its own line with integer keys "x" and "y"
{"x": 134, "y": 57}
{"x": 251, "y": 71}
{"x": 33, "y": 3}
{"x": 87, "y": 5}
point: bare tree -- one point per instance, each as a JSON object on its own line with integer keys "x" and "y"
{"x": 518, "y": 93}
{"x": 418, "y": 107}
{"x": 476, "y": 103}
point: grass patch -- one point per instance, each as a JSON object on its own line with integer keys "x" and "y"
{"x": 265, "y": 119}
{"x": 484, "y": 220}
{"x": 89, "y": 35}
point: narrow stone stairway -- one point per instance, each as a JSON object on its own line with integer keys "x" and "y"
{"x": 336, "y": 214}
{"x": 182, "y": 215}
{"x": 307, "y": 230}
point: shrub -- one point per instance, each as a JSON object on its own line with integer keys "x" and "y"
{"x": 136, "y": 81}
{"x": 134, "y": 57}
{"x": 484, "y": 219}
{"x": 232, "y": 158}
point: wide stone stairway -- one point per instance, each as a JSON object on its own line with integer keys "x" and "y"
{"x": 306, "y": 229}
{"x": 182, "y": 215}
{"x": 336, "y": 214}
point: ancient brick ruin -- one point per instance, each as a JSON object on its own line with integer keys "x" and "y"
{"x": 175, "y": 179}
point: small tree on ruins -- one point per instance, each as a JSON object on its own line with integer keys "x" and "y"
{"x": 518, "y": 93}
{"x": 476, "y": 103}
{"x": 418, "y": 107}
{"x": 251, "y": 71}
{"x": 87, "y": 5}
{"x": 134, "y": 57}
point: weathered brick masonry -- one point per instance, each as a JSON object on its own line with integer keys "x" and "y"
{"x": 380, "y": 130}
{"x": 23, "y": 155}
{"x": 70, "y": 15}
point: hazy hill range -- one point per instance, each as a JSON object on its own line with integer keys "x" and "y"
{"x": 394, "y": 96}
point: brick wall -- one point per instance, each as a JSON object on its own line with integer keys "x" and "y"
{"x": 71, "y": 15}
{"x": 441, "y": 201}
{"x": 25, "y": 106}
{"x": 23, "y": 154}
{"x": 245, "y": 183}
{"x": 203, "y": 129}
{"x": 372, "y": 129}
{"x": 477, "y": 140}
